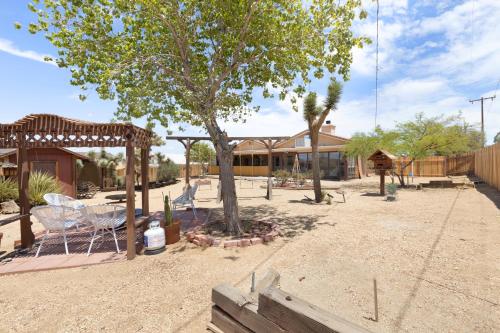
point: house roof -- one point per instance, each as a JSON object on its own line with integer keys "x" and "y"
{"x": 384, "y": 152}
{"x": 4, "y": 152}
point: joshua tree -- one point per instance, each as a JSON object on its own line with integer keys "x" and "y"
{"x": 315, "y": 116}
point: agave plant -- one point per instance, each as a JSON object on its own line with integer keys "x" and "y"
{"x": 41, "y": 183}
{"x": 8, "y": 190}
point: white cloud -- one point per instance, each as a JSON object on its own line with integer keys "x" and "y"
{"x": 8, "y": 46}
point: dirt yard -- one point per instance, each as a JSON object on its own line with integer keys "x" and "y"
{"x": 435, "y": 254}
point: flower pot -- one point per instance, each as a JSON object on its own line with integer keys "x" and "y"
{"x": 173, "y": 232}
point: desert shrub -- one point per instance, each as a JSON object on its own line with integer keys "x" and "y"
{"x": 324, "y": 195}
{"x": 391, "y": 188}
{"x": 8, "y": 190}
{"x": 168, "y": 170}
{"x": 41, "y": 183}
{"x": 282, "y": 176}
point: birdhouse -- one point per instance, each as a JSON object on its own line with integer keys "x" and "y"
{"x": 382, "y": 160}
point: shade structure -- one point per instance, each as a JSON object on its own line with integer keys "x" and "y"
{"x": 52, "y": 131}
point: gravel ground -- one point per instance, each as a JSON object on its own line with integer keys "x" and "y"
{"x": 435, "y": 254}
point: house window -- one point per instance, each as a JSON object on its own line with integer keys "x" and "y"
{"x": 49, "y": 167}
{"x": 304, "y": 141}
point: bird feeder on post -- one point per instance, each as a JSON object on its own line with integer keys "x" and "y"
{"x": 382, "y": 161}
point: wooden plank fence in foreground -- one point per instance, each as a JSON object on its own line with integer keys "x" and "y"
{"x": 487, "y": 165}
{"x": 275, "y": 311}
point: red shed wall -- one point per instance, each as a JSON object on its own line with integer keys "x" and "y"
{"x": 65, "y": 166}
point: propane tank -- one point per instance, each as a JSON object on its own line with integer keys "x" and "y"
{"x": 154, "y": 238}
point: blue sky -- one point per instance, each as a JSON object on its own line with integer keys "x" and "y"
{"x": 434, "y": 57}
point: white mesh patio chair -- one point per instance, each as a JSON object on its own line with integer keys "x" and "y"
{"x": 72, "y": 207}
{"x": 105, "y": 218}
{"x": 186, "y": 199}
{"x": 54, "y": 221}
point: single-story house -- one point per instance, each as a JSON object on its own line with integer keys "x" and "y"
{"x": 250, "y": 156}
{"x": 58, "y": 162}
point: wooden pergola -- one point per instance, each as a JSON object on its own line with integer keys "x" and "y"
{"x": 52, "y": 131}
{"x": 269, "y": 141}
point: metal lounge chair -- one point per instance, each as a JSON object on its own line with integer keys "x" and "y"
{"x": 54, "y": 221}
{"x": 105, "y": 218}
{"x": 186, "y": 199}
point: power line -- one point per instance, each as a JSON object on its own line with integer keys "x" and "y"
{"x": 376, "y": 71}
{"x": 482, "y": 113}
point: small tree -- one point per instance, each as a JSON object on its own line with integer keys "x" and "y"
{"x": 315, "y": 116}
{"x": 497, "y": 138}
{"x": 202, "y": 153}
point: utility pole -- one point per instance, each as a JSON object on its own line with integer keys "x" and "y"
{"x": 482, "y": 113}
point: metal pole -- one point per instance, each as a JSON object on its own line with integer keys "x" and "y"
{"x": 375, "y": 298}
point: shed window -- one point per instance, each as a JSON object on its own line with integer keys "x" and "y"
{"x": 49, "y": 167}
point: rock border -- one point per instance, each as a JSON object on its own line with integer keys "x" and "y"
{"x": 200, "y": 239}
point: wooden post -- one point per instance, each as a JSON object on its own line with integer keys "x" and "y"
{"x": 375, "y": 298}
{"x": 129, "y": 180}
{"x": 382, "y": 182}
{"x": 23, "y": 173}
{"x": 188, "y": 158}
{"x": 145, "y": 180}
{"x": 269, "y": 195}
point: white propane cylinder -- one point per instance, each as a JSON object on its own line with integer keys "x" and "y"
{"x": 154, "y": 237}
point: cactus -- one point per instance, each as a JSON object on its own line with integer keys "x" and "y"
{"x": 168, "y": 211}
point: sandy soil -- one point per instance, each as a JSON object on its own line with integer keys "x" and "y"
{"x": 435, "y": 254}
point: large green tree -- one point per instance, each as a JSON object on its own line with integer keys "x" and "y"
{"x": 315, "y": 116}
{"x": 198, "y": 61}
{"x": 416, "y": 139}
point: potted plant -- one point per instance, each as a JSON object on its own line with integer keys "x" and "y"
{"x": 391, "y": 191}
{"x": 172, "y": 228}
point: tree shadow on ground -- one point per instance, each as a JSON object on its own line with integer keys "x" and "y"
{"x": 490, "y": 192}
{"x": 290, "y": 225}
{"x": 371, "y": 194}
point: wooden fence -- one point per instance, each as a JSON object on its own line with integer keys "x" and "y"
{"x": 487, "y": 165}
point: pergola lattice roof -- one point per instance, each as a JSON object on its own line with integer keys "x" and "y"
{"x": 47, "y": 130}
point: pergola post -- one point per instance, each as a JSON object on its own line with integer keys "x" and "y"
{"x": 27, "y": 236}
{"x": 145, "y": 180}
{"x": 269, "y": 195}
{"x": 129, "y": 182}
{"x": 188, "y": 161}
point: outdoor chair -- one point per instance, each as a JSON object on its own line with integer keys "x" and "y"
{"x": 186, "y": 199}
{"x": 54, "y": 221}
{"x": 72, "y": 208}
{"x": 105, "y": 218}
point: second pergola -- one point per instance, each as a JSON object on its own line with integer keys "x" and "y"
{"x": 269, "y": 142}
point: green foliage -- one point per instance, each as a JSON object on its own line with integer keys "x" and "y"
{"x": 168, "y": 211}
{"x": 167, "y": 170}
{"x": 417, "y": 138}
{"x": 8, "y": 190}
{"x": 202, "y": 153}
{"x": 41, "y": 183}
{"x": 497, "y": 138}
{"x": 282, "y": 176}
{"x": 391, "y": 188}
{"x": 197, "y": 61}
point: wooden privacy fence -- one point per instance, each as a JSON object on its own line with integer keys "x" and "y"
{"x": 487, "y": 165}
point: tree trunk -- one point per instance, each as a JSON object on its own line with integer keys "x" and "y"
{"x": 230, "y": 201}
{"x": 315, "y": 166}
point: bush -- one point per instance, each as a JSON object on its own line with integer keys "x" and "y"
{"x": 41, "y": 183}
{"x": 8, "y": 190}
{"x": 167, "y": 170}
{"x": 282, "y": 177}
{"x": 391, "y": 188}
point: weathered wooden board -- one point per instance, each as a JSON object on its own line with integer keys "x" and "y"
{"x": 296, "y": 315}
{"x": 225, "y": 323}
{"x": 271, "y": 279}
{"x": 240, "y": 307}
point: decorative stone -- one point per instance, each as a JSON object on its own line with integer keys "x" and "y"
{"x": 231, "y": 243}
{"x": 216, "y": 242}
{"x": 9, "y": 207}
{"x": 244, "y": 242}
{"x": 256, "y": 240}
